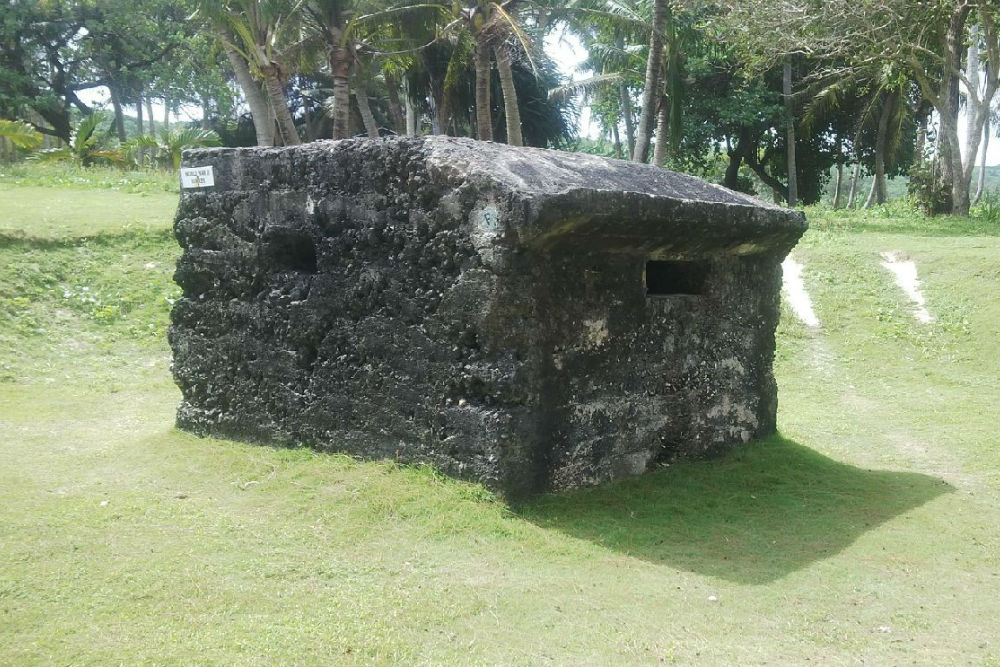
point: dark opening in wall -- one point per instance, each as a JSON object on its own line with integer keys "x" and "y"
{"x": 291, "y": 250}
{"x": 664, "y": 278}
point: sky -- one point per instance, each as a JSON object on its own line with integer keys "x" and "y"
{"x": 568, "y": 54}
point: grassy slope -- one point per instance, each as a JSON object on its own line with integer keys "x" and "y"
{"x": 866, "y": 532}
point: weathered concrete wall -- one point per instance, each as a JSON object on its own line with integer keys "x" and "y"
{"x": 474, "y": 306}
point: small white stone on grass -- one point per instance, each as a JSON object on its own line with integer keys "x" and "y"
{"x": 795, "y": 290}
{"x": 906, "y": 277}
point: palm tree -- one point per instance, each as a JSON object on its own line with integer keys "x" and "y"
{"x": 263, "y": 33}
{"x": 167, "y": 148}
{"x": 352, "y": 33}
{"x": 884, "y": 91}
{"x": 263, "y": 119}
{"x": 605, "y": 26}
{"x": 651, "y": 85}
{"x": 86, "y": 145}
{"x": 494, "y": 28}
{"x": 330, "y": 20}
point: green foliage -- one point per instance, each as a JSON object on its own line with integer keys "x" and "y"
{"x": 988, "y": 208}
{"x": 87, "y": 146}
{"x": 929, "y": 193}
{"x": 55, "y": 49}
{"x": 20, "y": 134}
{"x": 165, "y": 150}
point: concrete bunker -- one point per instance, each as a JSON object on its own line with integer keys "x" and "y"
{"x": 530, "y": 319}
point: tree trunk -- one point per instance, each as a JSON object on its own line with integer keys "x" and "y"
{"x": 307, "y": 117}
{"x": 367, "y": 117}
{"x": 484, "y": 116}
{"x": 166, "y": 114}
{"x": 625, "y": 100}
{"x": 279, "y": 106}
{"x": 786, "y": 89}
{"x": 511, "y": 111}
{"x": 651, "y": 87}
{"x": 872, "y": 194}
{"x": 972, "y": 74}
{"x": 731, "y": 179}
{"x": 435, "y": 114}
{"x": 981, "y": 185}
{"x": 273, "y": 124}
{"x": 838, "y": 188}
{"x": 395, "y": 107}
{"x": 205, "y": 113}
{"x": 853, "y": 194}
{"x": 979, "y": 110}
{"x": 672, "y": 86}
{"x": 878, "y": 191}
{"x": 616, "y": 138}
{"x": 263, "y": 123}
{"x": 149, "y": 115}
{"x": 959, "y": 186}
{"x": 441, "y": 113}
{"x": 736, "y": 155}
{"x": 919, "y": 148}
{"x": 340, "y": 70}
{"x": 436, "y": 99}
{"x": 116, "y": 103}
{"x": 780, "y": 189}
{"x": 662, "y": 130}
{"x": 138, "y": 115}
{"x": 625, "y": 104}
{"x": 946, "y": 98}
{"x": 141, "y": 153}
{"x": 411, "y": 115}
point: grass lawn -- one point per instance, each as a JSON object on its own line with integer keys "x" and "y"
{"x": 865, "y": 532}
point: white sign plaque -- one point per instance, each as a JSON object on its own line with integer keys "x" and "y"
{"x": 197, "y": 177}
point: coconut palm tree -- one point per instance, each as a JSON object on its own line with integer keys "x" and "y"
{"x": 353, "y": 33}
{"x": 647, "y": 109}
{"x": 612, "y": 31}
{"x": 264, "y": 34}
{"x": 493, "y": 28}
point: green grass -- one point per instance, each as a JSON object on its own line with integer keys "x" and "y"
{"x": 68, "y": 175}
{"x": 37, "y": 204}
{"x": 865, "y": 532}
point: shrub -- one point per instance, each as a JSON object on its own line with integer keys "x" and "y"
{"x": 928, "y": 193}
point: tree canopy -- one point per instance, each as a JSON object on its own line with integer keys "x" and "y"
{"x": 764, "y": 95}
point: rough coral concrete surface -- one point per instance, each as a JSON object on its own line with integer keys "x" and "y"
{"x": 534, "y": 320}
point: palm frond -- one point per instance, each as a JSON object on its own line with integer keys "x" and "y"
{"x": 518, "y": 32}
{"x": 584, "y": 86}
{"x": 52, "y": 154}
{"x": 20, "y": 134}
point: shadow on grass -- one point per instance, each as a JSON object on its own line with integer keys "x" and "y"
{"x": 754, "y": 516}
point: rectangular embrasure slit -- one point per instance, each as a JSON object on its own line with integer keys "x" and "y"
{"x": 291, "y": 250}
{"x": 674, "y": 277}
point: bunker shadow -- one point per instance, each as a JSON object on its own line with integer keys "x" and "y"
{"x": 752, "y": 517}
